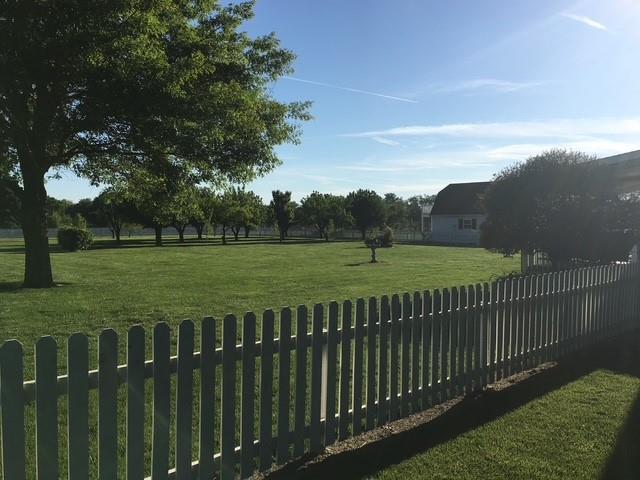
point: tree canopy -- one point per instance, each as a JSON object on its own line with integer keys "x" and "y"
{"x": 105, "y": 87}
{"x": 562, "y": 204}
{"x": 367, "y": 209}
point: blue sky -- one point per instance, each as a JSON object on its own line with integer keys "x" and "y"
{"x": 410, "y": 95}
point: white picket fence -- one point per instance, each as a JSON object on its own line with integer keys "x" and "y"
{"x": 262, "y": 402}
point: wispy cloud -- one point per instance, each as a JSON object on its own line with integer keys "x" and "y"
{"x": 590, "y": 22}
{"x": 385, "y": 141}
{"x": 597, "y": 146}
{"x": 553, "y": 128}
{"x": 485, "y": 85}
{"x": 353, "y": 90}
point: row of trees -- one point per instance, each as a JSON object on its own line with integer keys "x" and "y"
{"x": 235, "y": 210}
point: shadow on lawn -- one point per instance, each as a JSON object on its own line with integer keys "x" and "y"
{"x": 619, "y": 355}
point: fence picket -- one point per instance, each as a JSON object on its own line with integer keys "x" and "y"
{"x": 46, "y": 409}
{"x": 454, "y": 333}
{"x": 11, "y": 399}
{"x": 462, "y": 340}
{"x": 358, "y": 367}
{"x": 436, "y": 349}
{"x": 78, "y": 406}
{"x": 330, "y": 387}
{"x": 416, "y": 337}
{"x": 444, "y": 354}
{"x": 108, "y": 405}
{"x": 405, "y": 355}
{"x": 135, "y": 403}
{"x": 228, "y": 421}
{"x": 284, "y": 386}
{"x": 372, "y": 323}
{"x": 247, "y": 393}
{"x": 345, "y": 370}
{"x": 184, "y": 400}
{"x": 478, "y": 344}
{"x": 161, "y": 392}
{"x": 266, "y": 390}
{"x": 493, "y": 314}
{"x": 426, "y": 349}
{"x": 385, "y": 317}
{"x": 301, "y": 381}
{"x": 317, "y": 324}
{"x": 395, "y": 342}
{"x": 470, "y": 318}
{"x": 206, "y": 444}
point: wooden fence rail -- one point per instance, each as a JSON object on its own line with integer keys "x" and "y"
{"x": 348, "y": 368}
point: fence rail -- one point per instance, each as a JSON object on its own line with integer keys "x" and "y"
{"x": 265, "y": 401}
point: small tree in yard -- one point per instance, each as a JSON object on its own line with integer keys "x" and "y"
{"x": 367, "y": 209}
{"x": 207, "y": 202}
{"x": 560, "y": 204}
{"x": 283, "y": 211}
{"x": 113, "y": 209}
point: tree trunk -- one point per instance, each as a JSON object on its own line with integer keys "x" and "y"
{"x": 180, "y": 229}
{"x": 199, "y": 228}
{"x": 281, "y": 235}
{"x": 236, "y": 233}
{"x": 246, "y": 232}
{"x": 117, "y": 234}
{"x": 224, "y": 235}
{"x": 158, "y": 229}
{"x": 363, "y": 231}
{"x": 37, "y": 264}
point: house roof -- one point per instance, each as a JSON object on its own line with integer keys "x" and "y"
{"x": 460, "y": 199}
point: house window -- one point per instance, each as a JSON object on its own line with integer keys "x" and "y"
{"x": 467, "y": 224}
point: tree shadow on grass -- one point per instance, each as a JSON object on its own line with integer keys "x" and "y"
{"x": 618, "y": 355}
{"x": 16, "y": 287}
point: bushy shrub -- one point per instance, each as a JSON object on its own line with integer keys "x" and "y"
{"x": 74, "y": 238}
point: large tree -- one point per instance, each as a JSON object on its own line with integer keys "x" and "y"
{"x": 10, "y": 208}
{"x": 563, "y": 204}
{"x": 367, "y": 209}
{"x": 102, "y": 87}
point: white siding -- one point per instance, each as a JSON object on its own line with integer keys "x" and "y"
{"x": 444, "y": 229}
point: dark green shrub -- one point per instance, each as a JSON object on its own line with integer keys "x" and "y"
{"x": 74, "y": 238}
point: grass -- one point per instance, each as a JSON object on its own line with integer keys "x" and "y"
{"x": 577, "y": 419}
{"x": 568, "y": 433}
{"x": 139, "y": 283}
{"x": 116, "y": 287}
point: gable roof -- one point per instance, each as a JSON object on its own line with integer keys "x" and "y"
{"x": 460, "y": 199}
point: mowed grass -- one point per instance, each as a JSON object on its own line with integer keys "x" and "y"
{"x": 585, "y": 430}
{"x": 116, "y": 287}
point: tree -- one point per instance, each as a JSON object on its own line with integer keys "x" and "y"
{"x": 322, "y": 210}
{"x": 561, "y": 204}
{"x": 367, "y": 209}
{"x": 283, "y": 211}
{"x": 396, "y": 211}
{"x": 114, "y": 210}
{"x": 10, "y": 205}
{"x": 103, "y": 87}
{"x": 207, "y": 203}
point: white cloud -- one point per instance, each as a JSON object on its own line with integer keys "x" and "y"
{"x": 590, "y": 22}
{"x": 385, "y": 141}
{"x": 555, "y": 128}
{"x": 486, "y": 85}
{"x": 348, "y": 89}
{"x": 598, "y": 147}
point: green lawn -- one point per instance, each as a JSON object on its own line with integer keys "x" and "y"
{"x": 586, "y": 430}
{"x": 139, "y": 283}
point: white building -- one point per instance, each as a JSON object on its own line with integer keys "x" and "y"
{"x": 457, "y": 214}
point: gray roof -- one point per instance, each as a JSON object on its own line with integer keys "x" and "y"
{"x": 460, "y": 199}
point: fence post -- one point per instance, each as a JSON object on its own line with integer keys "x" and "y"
{"x": 184, "y": 399}
{"x": 330, "y": 375}
{"x": 358, "y": 367}
{"x": 228, "y": 421}
{"x": 301, "y": 381}
{"x": 207, "y": 398}
{"x": 345, "y": 369}
{"x": 108, "y": 405}
{"x": 317, "y": 323}
{"x": 383, "y": 405}
{"x": 416, "y": 337}
{"x": 426, "y": 349}
{"x": 161, "y": 392}
{"x": 395, "y": 341}
{"x": 12, "y": 401}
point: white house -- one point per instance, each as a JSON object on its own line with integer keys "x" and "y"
{"x": 457, "y": 214}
